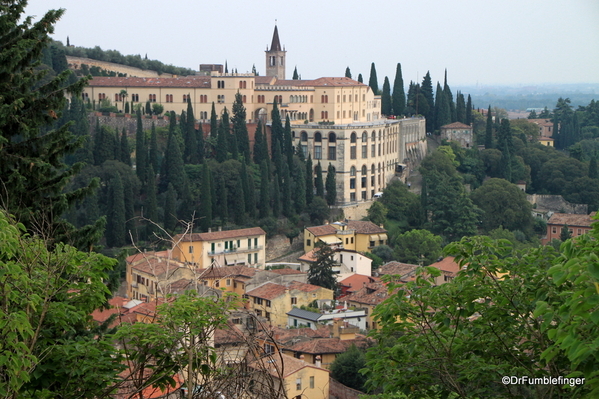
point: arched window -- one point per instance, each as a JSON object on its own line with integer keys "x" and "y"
{"x": 364, "y": 137}
{"x": 373, "y": 136}
{"x": 353, "y": 137}
{"x": 373, "y": 169}
{"x": 304, "y": 136}
{"x": 332, "y": 155}
{"x": 332, "y": 137}
{"x": 317, "y": 137}
{"x": 352, "y": 171}
{"x": 364, "y": 170}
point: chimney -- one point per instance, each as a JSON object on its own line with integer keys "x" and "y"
{"x": 336, "y": 327}
{"x": 302, "y": 358}
{"x": 209, "y": 229}
{"x": 220, "y": 228}
{"x": 318, "y": 362}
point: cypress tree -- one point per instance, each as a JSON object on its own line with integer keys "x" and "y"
{"x": 360, "y": 79}
{"x": 427, "y": 90}
{"x": 460, "y": 108}
{"x": 141, "y": 151}
{"x": 264, "y": 205}
{"x": 175, "y": 168}
{"x": 125, "y": 152}
{"x": 276, "y": 198}
{"x": 347, "y": 73}
{"x": 318, "y": 182}
{"x": 151, "y": 205}
{"x": 299, "y": 190}
{"x": 245, "y": 185}
{"x": 240, "y": 130}
{"x": 504, "y": 136}
{"x": 201, "y": 144}
{"x": 170, "y": 209}
{"x": 373, "y": 81}
{"x": 295, "y": 75}
{"x": 386, "y": 98}
{"x": 233, "y": 147}
{"x": 250, "y": 200}
{"x": 276, "y": 130}
{"x": 469, "y": 111}
{"x": 148, "y": 108}
{"x": 258, "y": 138}
{"x": 222, "y": 200}
{"x": 222, "y": 145}
{"x": 116, "y": 145}
{"x": 191, "y": 142}
{"x": 288, "y": 142}
{"x": 213, "y": 122}
{"x": 286, "y": 191}
{"x": 309, "y": 181}
{"x": 153, "y": 161}
{"x": 103, "y": 146}
{"x": 205, "y": 211}
{"x": 130, "y": 230}
{"x": 115, "y": 227}
{"x": 331, "y": 185}
{"x": 449, "y": 99}
{"x": 239, "y": 204}
{"x": 127, "y": 107}
{"x": 489, "y": 130}
{"x": 399, "y": 94}
{"x": 442, "y": 111}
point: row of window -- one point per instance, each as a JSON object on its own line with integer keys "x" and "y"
{"x": 333, "y": 136}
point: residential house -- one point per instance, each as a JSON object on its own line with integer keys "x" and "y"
{"x": 222, "y": 248}
{"x": 359, "y": 236}
{"x": 405, "y": 271}
{"x": 545, "y": 127}
{"x": 273, "y": 301}
{"x": 347, "y": 262}
{"x": 351, "y": 284}
{"x": 449, "y": 269}
{"x": 577, "y": 224}
{"x": 458, "y": 132}
{"x": 367, "y": 298}
{"x": 300, "y": 317}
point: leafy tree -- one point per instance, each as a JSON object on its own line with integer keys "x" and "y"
{"x": 417, "y": 247}
{"x": 157, "y": 109}
{"x": 46, "y": 334}
{"x": 331, "y": 185}
{"x": 565, "y": 233}
{"x": 321, "y": 270}
{"x": 461, "y": 337}
{"x": 347, "y": 73}
{"x": 377, "y": 213}
{"x": 386, "y": 98}
{"x": 401, "y": 205}
{"x": 373, "y": 81}
{"x": 346, "y": 368}
{"x": 399, "y": 94}
{"x": 593, "y": 171}
{"x": 319, "y": 211}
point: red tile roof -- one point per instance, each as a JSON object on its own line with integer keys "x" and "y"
{"x": 282, "y": 365}
{"x": 371, "y": 294}
{"x": 267, "y": 291}
{"x": 286, "y": 272}
{"x": 189, "y": 81}
{"x": 226, "y": 271}
{"x": 357, "y": 281}
{"x": 323, "y": 230}
{"x": 447, "y": 265}
{"x": 397, "y": 268}
{"x": 327, "y": 345}
{"x": 572, "y": 219}
{"x": 365, "y": 227}
{"x": 296, "y": 285}
{"x": 220, "y": 235}
{"x": 456, "y": 125}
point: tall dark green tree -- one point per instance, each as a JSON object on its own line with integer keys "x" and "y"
{"x": 460, "y": 108}
{"x": 250, "y": 199}
{"x": 299, "y": 188}
{"x": 360, "y": 79}
{"x": 174, "y": 172}
{"x": 593, "y": 173}
{"x": 191, "y": 140}
{"x": 442, "y": 111}
{"x": 141, "y": 151}
{"x": 258, "y": 145}
{"x": 286, "y": 201}
{"x": 309, "y": 181}
{"x": 347, "y": 73}
{"x": 170, "y": 209}
{"x": 295, "y": 75}
{"x": 276, "y": 131}
{"x": 399, "y": 94}
{"x": 222, "y": 144}
{"x": 489, "y": 130}
{"x": 318, "y": 181}
{"x": 201, "y": 149}
{"x": 115, "y": 227}
{"x": 449, "y": 99}
{"x": 386, "y": 106}
{"x": 427, "y": 91}
{"x": 287, "y": 142}
{"x": 130, "y": 225}
{"x": 264, "y": 205}
{"x": 213, "y": 122}
{"x": 238, "y": 209}
{"x": 276, "y": 198}
{"x": 205, "y": 211}
{"x": 153, "y": 154}
{"x": 373, "y": 80}
{"x": 468, "y": 111}
{"x": 240, "y": 130}
{"x": 321, "y": 271}
{"x": 151, "y": 205}
{"x": 125, "y": 152}
{"x": 103, "y": 145}
{"x": 331, "y": 185}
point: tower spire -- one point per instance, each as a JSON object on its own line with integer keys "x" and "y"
{"x": 276, "y": 43}
{"x": 275, "y": 57}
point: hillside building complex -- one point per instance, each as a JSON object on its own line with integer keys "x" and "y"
{"x": 336, "y": 120}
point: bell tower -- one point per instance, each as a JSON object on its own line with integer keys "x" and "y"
{"x": 275, "y": 57}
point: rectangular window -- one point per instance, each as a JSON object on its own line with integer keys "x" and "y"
{"x": 256, "y": 242}
{"x": 256, "y": 257}
{"x": 554, "y": 230}
{"x": 298, "y": 384}
{"x": 352, "y": 152}
{"x": 212, "y": 247}
{"x": 308, "y": 242}
{"x": 352, "y": 197}
{"x": 373, "y": 151}
{"x": 332, "y": 153}
{"x": 294, "y": 301}
{"x": 190, "y": 249}
{"x": 364, "y": 151}
{"x": 249, "y": 259}
{"x": 352, "y": 239}
{"x": 363, "y": 195}
{"x": 371, "y": 244}
{"x": 352, "y": 183}
{"x": 311, "y": 382}
{"x": 267, "y": 303}
{"x": 364, "y": 182}
{"x": 228, "y": 282}
{"x": 317, "y": 152}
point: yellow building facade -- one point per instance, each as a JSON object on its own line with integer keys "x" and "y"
{"x": 360, "y": 236}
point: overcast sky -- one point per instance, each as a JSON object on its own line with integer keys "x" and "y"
{"x": 482, "y": 42}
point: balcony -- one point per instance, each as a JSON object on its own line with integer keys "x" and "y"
{"x": 235, "y": 250}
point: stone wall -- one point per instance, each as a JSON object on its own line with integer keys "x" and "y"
{"x": 127, "y": 121}
{"x": 278, "y": 245}
{"x": 356, "y": 211}
{"x": 339, "y": 391}
{"x": 75, "y": 63}
{"x": 557, "y": 203}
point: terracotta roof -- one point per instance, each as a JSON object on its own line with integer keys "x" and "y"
{"x": 309, "y": 256}
{"x": 296, "y": 285}
{"x": 397, "y": 268}
{"x": 370, "y": 294}
{"x": 189, "y": 81}
{"x": 365, "y": 227}
{"x": 226, "y": 271}
{"x": 326, "y": 345}
{"x": 341, "y": 81}
{"x": 447, "y": 265}
{"x": 357, "y": 281}
{"x": 456, "y": 125}
{"x": 286, "y": 336}
{"x": 157, "y": 266}
{"x": 229, "y": 335}
{"x": 282, "y": 365}
{"x": 268, "y": 291}
{"x": 572, "y": 219}
{"x": 116, "y": 307}
{"x": 220, "y": 235}
{"x": 323, "y": 230}
{"x": 286, "y": 272}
